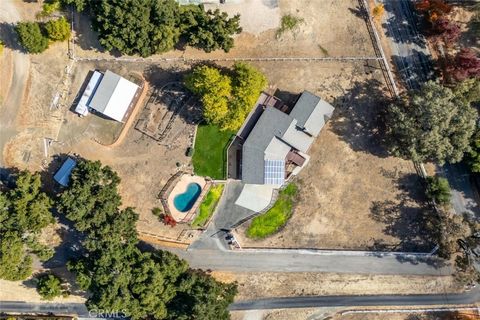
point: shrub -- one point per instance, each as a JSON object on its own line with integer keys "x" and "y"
{"x": 58, "y": 29}
{"x": 31, "y": 37}
{"x": 438, "y": 190}
{"x": 49, "y": 286}
{"x": 168, "y": 220}
{"x": 50, "y": 7}
{"x": 378, "y": 11}
{"x": 289, "y": 22}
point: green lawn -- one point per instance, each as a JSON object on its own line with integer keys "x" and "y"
{"x": 208, "y": 205}
{"x": 210, "y": 145}
{"x": 275, "y": 218}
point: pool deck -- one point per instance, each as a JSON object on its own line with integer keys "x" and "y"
{"x": 181, "y": 187}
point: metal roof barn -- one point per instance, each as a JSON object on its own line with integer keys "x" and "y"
{"x": 114, "y": 96}
{"x": 63, "y": 174}
{"x": 82, "y": 105}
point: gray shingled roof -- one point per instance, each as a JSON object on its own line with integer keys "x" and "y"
{"x": 311, "y": 113}
{"x": 272, "y": 122}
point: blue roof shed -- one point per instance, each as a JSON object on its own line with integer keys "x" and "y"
{"x": 63, "y": 174}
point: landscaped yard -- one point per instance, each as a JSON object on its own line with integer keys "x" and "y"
{"x": 209, "y": 156}
{"x": 275, "y": 218}
{"x": 208, "y": 205}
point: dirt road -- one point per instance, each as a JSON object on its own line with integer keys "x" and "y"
{"x": 21, "y": 66}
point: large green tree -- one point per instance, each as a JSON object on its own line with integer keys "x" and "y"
{"x": 431, "y": 124}
{"x": 117, "y": 274}
{"x": 31, "y": 37}
{"x": 24, "y": 212}
{"x": 227, "y": 98}
{"x": 146, "y": 27}
{"x": 209, "y": 30}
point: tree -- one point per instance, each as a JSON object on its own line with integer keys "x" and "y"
{"x": 31, "y": 37}
{"x": 58, "y": 29}
{"x": 214, "y": 90}
{"x": 50, "y": 7}
{"x": 446, "y": 30}
{"x": 201, "y": 297}
{"x": 378, "y": 11}
{"x": 438, "y": 190}
{"x": 466, "y": 65}
{"x": 117, "y": 274}
{"x": 433, "y": 9}
{"x": 15, "y": 264}
{"x": 227, "y": 98}
{"x": 24, "y": 212}
{"x": 432, "y": 124}
{"x": 146, "y": 27}
{"x": 209, "y": 30}
{"x": 49, "y": 286}
{"x": 80, "y": 5}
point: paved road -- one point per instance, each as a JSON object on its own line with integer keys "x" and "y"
{"x": 304, "y": 261}
{"x": 367, "y": 300}
{"x": 80, "y": 310}
{"x": 43, "y": 308}
{"x": 413, "y": 63}
{"x": 21, "y": 65}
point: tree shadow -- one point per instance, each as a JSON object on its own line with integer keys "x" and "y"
{"x": 86, "y": 38}
{"x": 399, "y": 28}
{"x": 415, "y": 68}
{"x": 358, "y": 117}
{"x": 9, "y": 37}
{"x": 405, "y": 218}
{"x": 167, "y": 89}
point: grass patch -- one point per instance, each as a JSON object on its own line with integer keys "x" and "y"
{"x": 275, "y": 218}
{"x": 209, "y": 155}
{"x": 208, "y": 205}
{"x": 289, "y": 22}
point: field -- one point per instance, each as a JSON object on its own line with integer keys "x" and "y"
{"x": 209, "y": 155}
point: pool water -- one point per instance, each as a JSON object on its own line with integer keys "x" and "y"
{"x": 184, "y": 201}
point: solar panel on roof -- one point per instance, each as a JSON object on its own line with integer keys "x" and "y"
{"x": 274, "y": 172}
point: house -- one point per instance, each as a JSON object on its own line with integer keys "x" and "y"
{"x": 63, "y": 174}
{"x": 276, "y": 144}
{"x": 108, "y": 94}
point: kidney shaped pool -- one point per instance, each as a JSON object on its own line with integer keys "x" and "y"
{"x": 184, "y": 201}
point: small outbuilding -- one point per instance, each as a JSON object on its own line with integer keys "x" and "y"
{"x": 63, "y": 174}
{"x": 110, "y": 95}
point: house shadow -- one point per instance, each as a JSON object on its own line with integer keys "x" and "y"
{"x": 359, "y": 117}
{"x": 9, "y": 37}
{"x": 406, "y": 217}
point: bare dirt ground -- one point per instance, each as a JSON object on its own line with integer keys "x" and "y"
{"x": 352, "y": 195}
{"x": 252, "y": 285}
{"x": 330, "y": 28}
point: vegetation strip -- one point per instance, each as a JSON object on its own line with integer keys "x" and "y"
{"x": 208, "y": 205}
{"x": 276, "y": 217}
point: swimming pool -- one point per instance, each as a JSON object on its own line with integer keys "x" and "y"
{"x": 184, "y": 201}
